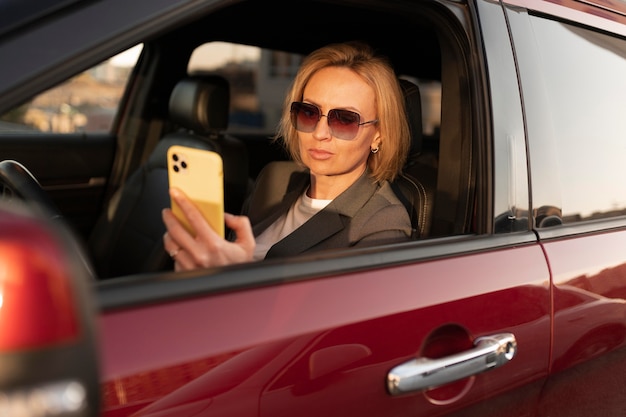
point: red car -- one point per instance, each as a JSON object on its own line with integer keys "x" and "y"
{"x": 509, "y": 301}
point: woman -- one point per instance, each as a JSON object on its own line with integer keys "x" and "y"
{"x": 344, "y": 124}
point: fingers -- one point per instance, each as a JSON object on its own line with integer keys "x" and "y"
{"x": 197, "y": 222}
{"x": 174, "y": 250}
{"x": 206, "y": 248}
{"x": 179, "y": 244}
{"x": 171, "y": 247}
{"x": 177, "y": 235}
{"x": 243, "y": 230}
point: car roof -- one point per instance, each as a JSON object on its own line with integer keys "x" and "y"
{"x": 17, "y": 13}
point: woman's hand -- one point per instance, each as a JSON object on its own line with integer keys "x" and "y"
{"x": 207, "y": 248}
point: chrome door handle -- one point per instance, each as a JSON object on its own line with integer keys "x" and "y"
{"x": 489, "y": 352}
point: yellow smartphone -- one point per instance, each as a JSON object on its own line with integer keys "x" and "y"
{"x": 199, "y": 174}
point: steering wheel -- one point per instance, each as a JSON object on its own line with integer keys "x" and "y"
{"x": 16, "y": 182}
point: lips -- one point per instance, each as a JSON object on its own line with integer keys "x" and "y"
{"x": 320, "y": 154}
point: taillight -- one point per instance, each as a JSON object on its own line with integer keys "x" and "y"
{"x": 36, "y": 304}
{"x": 48, "y": 353}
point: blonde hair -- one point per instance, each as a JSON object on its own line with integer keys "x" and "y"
{"x": 390, "y": 106}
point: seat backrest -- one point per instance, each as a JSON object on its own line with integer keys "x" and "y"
{"x": 201, "y": 104}
{"x": 128, "y": 238}
{"x": 417, "y": 184}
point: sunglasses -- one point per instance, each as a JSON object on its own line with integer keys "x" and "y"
{"x": 343, "y": 124}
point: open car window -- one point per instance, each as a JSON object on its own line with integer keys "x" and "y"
{"x": 86, "y": 103}
{"x": 258, "y": 79}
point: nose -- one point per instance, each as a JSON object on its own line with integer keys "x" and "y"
{"x": 322, "y": 129}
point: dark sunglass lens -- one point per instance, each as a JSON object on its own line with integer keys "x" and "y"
{"x": 304, "y": 116}
{"x": 346, "y": 117}
{"x": 344, "y": 123}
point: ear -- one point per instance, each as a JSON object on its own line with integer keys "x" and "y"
{"x": 376, "y": 142}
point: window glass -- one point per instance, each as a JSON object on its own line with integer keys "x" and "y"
{"x": 85, "y": 103}
{"x": 584, "y": 83}
{"x": 259, "y": 79}
{"x": 430, "y": 93}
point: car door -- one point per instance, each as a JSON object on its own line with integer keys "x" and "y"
{"x": 320, "y": 340}
{"x": 457, "y": 325}
{"x": 573, "y": 103}
{"x": 77, "y": 192}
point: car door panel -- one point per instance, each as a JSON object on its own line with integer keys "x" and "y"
{"x": 72, "y": 168}
{"x": 296, "y": 345}
{"x": 589, "y": 322}
{"x": 573, "y": 207}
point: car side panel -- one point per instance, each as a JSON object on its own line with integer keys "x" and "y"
{"x": 585, "y": 250}
{"x": 589, "y": 356}
{"x": 321, "y": 345}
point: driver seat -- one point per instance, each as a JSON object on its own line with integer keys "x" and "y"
{"x": 416, "y": 185}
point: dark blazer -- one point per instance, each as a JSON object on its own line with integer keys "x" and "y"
{"x": 366, "y": 214}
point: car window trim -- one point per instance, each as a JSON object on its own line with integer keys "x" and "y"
{"x": 136, "y": 290}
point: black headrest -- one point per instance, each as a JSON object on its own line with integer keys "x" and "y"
{"x": 201, "y": 103}
{"x": 413, "y": 102}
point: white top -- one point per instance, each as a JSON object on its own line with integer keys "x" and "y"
{"x": 303, "y": 209}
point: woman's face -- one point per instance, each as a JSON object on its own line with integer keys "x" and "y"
{"x": 326, "y": 156}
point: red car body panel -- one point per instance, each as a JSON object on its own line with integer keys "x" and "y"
{"x": 589, "y": 322}
{"x": 327, "y": 344}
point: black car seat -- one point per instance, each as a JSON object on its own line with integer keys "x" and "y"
{"x": 201, "y": 104}
{"x": 417, "y": 184}
{"x": 128, "y": 238}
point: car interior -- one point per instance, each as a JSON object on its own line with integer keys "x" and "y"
{"x": 166, "y": 102}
